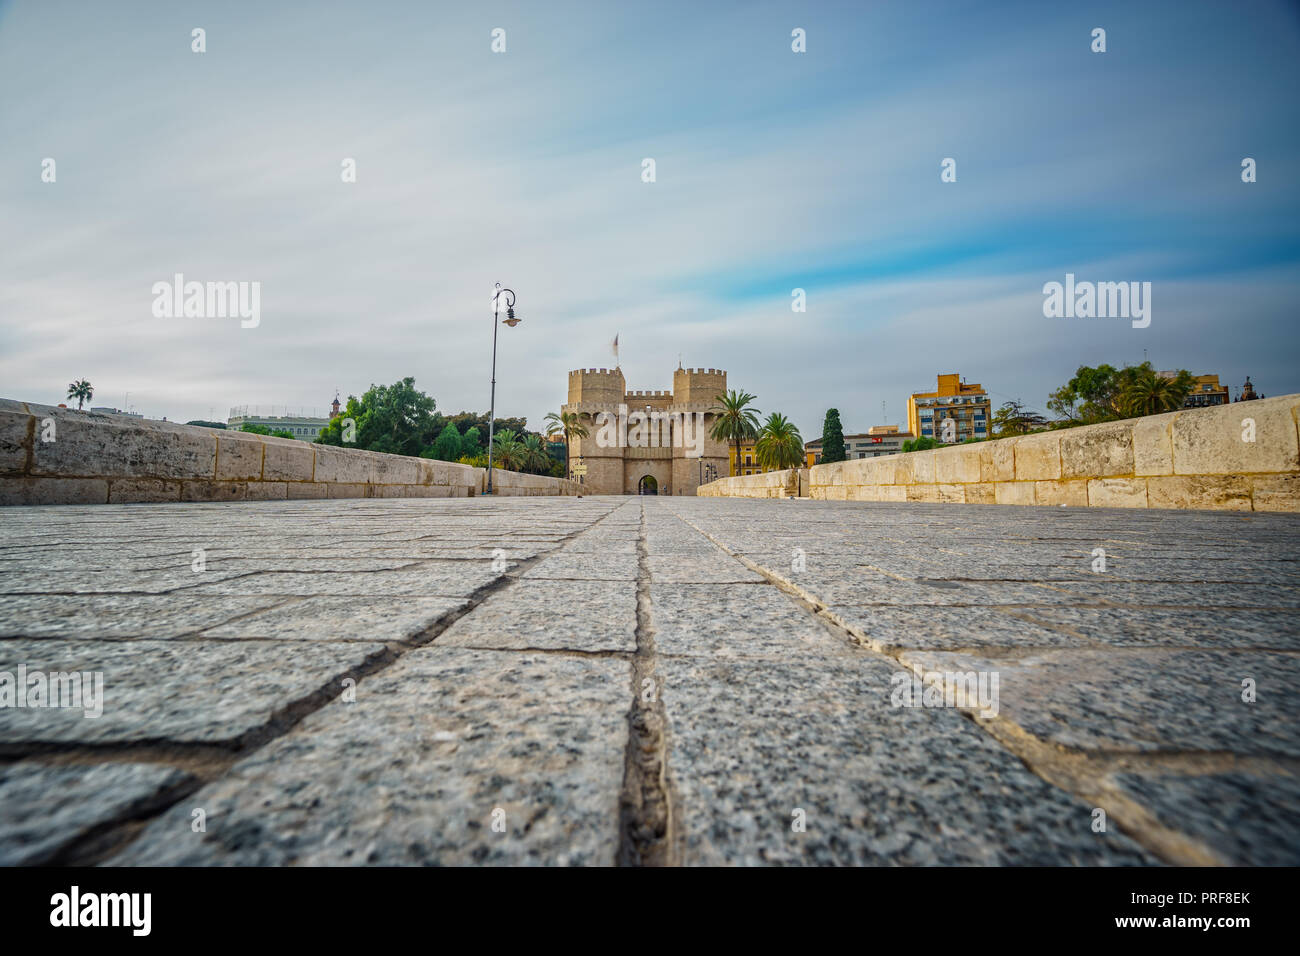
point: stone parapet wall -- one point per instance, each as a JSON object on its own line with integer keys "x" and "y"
{"x": 513, "y": 483}
{"x": 771, "y": 484}
{"x": 1194, "y": 458}
{"x": 92, "y": 458}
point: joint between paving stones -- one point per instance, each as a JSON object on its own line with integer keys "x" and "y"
{"x": 208, "y": 762}
{"x": 1077, "y": 774}
{"x": 646, "y": 832}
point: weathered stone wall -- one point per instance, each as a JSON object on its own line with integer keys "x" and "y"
{"x": 513, "y": 483}
{"x": 92, "y": 458}
{"x": 1243, "y": 457}
{"x": 771, "y": 484}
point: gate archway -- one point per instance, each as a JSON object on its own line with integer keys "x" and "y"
{"x": 647, "y": 485}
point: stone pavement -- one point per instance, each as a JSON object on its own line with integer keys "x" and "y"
{"x": 650, "y": 681}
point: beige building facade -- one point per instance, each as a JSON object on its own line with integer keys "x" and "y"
{"x": 677, "y": 456}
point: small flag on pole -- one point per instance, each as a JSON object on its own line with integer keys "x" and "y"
{"x": 614, "y": 346}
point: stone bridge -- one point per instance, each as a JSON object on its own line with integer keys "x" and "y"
{"x": 671, "y": 681}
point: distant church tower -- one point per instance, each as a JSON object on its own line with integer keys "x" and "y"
{"x": 335, "y": 407}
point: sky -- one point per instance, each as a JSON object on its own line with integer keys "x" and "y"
{"x": 774, "y": 170}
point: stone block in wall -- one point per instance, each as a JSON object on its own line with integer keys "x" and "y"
{"x": 862, "y": 492}
{"x": 289, "y": 460}
{"x": 927, "y": 492}
{"x": 1153, "y": 449}
{"x": 341, "y": 466}
{"x": 1014, "y": 493}
{"x": 983, "y": 493}
{"x": 1097, "y": 451}
{"x": 892, "y": 493}
{"x": 266, "y": 491}
{"x": 296, "y": 490}
{"x": 93, "y": 445}
{"x": 239, "y": 456}
{"x": 53, "y": 491}
{"x": 1216, "y": 492}
{"x": 997, "y": 460}
{"x": 957, "y": 465}
{"x": 1038, "y": 457}
{"x": 214, "y": 490}
{"x": 1214, "y": 441}
{"x": 1117, "y": 492}
{"x": 1058, "y": 493}
{"x": 344, "y": 489}
{"x": 394, "y": 469}
{"x": 952, "y": 493}
{"x": 1275, "y": 492}
{"x": 915, "y": 468}
{"x": 142, "y": 490}
{"x": 17, "y": 430}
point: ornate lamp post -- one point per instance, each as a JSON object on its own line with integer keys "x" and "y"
{"x": 511, "y": 320}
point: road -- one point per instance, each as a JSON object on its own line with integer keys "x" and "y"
{"x": 649, "y": 681}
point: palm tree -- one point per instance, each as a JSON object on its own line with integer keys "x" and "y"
{"x": 507, "y": 451}
{"x": 735, "y": 421}
{"x": 82, "y": 391}
{"x": 570, "y": 425}
{"x": 779, "y": 444}
{"x": 1147, "y": 392}
{"x": 535, "y": 457}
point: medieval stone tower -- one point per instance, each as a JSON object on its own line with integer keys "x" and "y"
{"x": 666, "y": 467}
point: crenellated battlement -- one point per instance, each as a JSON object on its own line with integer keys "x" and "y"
{"x": 596, "y": 385}
{"x": 698, "y": 384}
{"x": 614, "y": 458}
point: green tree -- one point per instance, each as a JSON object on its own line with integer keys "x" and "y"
{"x": 472, "y": 440}
{"x": 1091, "y": 396}
{"x": 569, "y": 424}
{"x": 82, "y": 391}
{"x": 1013, "y": 418}
{"x": 1104, "y": 393}
{"x": 253, "y": 429}
{"x": 449, "y": 445}
{"x": 203, "y": 424}
{"x": 779, "y": 444}
{"x": 736, "y": 421}
{"x": 467, "y": 420}
{"x": 832, "y": 437}
{"x": 923, "y": 443}
{"x": 1144, "y": 391}
{"x": 507, "y": 451}
{"x": 398, "y": 419}
{"x": 535, "y": 458}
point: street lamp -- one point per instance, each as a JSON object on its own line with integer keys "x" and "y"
{"x": 511, "y": 320}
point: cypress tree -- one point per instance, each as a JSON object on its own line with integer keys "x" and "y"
{"x": 832, "y": 437}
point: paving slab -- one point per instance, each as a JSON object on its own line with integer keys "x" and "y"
{"x": 173, "y": 691}
{"x": 589, "y": 616}
{"x": 95, "y": 616}
{"x": 1144, "y": 700}
{"x": 1246, "y": 820}
{"x": 415, "y": 771}
{"x": 434, "y": 578}
{"x": 752, "y": 742}
{"x": 741, "y": 620}
{"x": 342, "y": 618}
{"x": 44, "y": 808}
